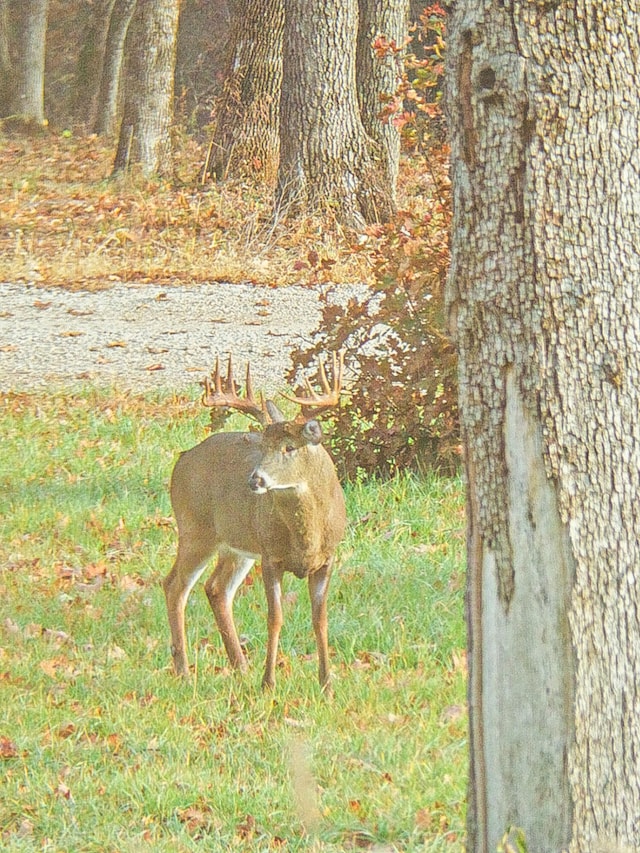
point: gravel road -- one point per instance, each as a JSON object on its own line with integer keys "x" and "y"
{"x": 141, "y": 337}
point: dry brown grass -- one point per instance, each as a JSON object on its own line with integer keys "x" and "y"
{"x": 63, "y": 222}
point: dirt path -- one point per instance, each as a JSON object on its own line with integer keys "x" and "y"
{"x": 141, "y": 337}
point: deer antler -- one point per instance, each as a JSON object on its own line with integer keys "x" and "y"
{"x": 219, "y": 394}
{"x": 330, "y": 397}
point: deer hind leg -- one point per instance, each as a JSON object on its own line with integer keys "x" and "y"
{"x": 272, "y": 578}
{"x": 318, "y": 592}
{"x": 221, "y": 588}
{"x": 190, "y": 563}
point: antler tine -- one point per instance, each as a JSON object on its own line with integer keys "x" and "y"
{"x": 224, "y": 393}
{"x": 331, "y": 392}
{"x": 218, "y": 379}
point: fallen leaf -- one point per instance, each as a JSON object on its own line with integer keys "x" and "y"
{"x": 8, "y": 348}
{"x": 114, "y": 742}
{"x": 66, "y": 731}
{"x": 63, "y": 791}
{"x": 94, "y": 570}
{"x": 129, "y": 583}
{"x": 42, "y": 306}
{"x": 155, "y": 367}
{"x": 453, "y": 713}
{"x": 25, "y": 829}
{"x": 114, "y": 344}
{"x": 197, "y": 818}
{"x": 157, "y": 350}
{"x": 50, "y": 667}
{"x": 71, "y": 334}
{"x": 56, "y": 636}
{"x": 8, "y": 749}
{"x": 248, "y": 828}
{"x": 76, "y": 312}
{"x": 116, "y": 653}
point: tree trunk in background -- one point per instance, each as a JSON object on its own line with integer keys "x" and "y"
{"x": 378, "y": 77}
{"x": 246, "y": 138}
{"x": 544, "y": 298}
{"x": 107, "y": 105}
{"x": 29, "y": 51}
{"x": 326, "y": 158}
{"x": 6, "y": 71}
{"x": 148, "y": 109}
{"x": 112, "y": 63}
{"x": 94, "y": 22}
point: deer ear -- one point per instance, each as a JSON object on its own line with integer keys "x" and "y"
{"x": 312, "y": 432}
{"x": 274, "y": 412}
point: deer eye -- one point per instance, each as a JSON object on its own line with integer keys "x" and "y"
{"x": 289, "y": 448}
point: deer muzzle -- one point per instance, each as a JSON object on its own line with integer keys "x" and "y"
{"x": 258, "y": 482}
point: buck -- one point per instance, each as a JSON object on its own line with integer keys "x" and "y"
{"x": 272, "y": 495}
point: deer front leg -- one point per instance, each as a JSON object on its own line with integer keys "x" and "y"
{"x": 272, "y": 578}
{"x": 318, "y": 592}
{"x": 221, "y": 588}
{"x": 189, "y": 565}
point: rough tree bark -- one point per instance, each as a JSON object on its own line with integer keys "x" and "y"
{"x": 148, "y": 108}
{"x": 5, "y": 60}
{"x": 544, "y": 298}
{"x": 379, "y": 77}
{"x": 326, "y": 158}
{"x": 30, "y": 27}
{"x": 93, "y": 19}
{"x": 246, "y": 136}
{"x": 107, "y": 104}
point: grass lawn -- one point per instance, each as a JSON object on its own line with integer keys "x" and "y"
{"x": 103, "y": 749}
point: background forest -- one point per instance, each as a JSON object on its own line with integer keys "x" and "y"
{"x": 210, "y": 214}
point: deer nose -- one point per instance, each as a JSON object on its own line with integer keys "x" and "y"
{"x": 257, "y": 482}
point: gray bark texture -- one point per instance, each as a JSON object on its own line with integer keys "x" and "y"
{"x": 93, "y": 18}
{"x": 107, "y": 103}
{"x": 246, "y": 139}
{"x": 28, "y": 59}
{"x": 148, "y": 109}
{"x": 544, "y": 302}
{"x": 379, "y": 77}
{"x": 327, "y": 161}
{"x": 5, "y": 60}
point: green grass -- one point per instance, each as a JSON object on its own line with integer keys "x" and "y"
{"x": 103, "y": 749}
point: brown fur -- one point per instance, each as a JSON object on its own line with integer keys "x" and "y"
{"x": 224, "y": 496}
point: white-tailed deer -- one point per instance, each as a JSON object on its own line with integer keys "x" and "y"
{"x": 272, "y": 495}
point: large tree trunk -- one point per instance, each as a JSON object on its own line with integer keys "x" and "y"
{"x": 246, "y": 138}
{"x": 378, "y": 77}
{"x": 107, "y": 105}
{"x": 544, "y": 296}
{"x": 326, "y": 158}
{"x": 29, "y": 52}
{"x": 148, "y": 109}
